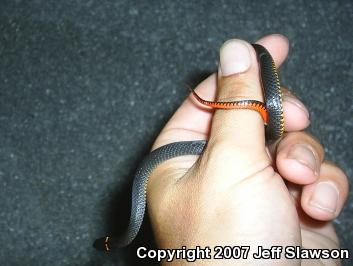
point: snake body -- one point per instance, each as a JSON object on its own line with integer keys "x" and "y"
{"x": 274, "y": 130}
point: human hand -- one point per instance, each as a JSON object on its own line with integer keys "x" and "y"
{"x": 240, "y": 192}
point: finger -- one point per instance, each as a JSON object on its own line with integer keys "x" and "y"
{"x": 238, "y": 131}
{"x": 277, "y": 45}
{"x": 296, "y": 115}
{"x": 310, "y": 225}
{"x": 298, "y": 158}
{"x": 191, "y": 121}
{"x": 324, "y": 199}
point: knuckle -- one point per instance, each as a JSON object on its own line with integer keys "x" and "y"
{"x": 239, "y": 87}
{"x": 227, "y": 156}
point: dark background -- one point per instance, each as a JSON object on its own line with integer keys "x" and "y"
{"x": 85, "y": 87}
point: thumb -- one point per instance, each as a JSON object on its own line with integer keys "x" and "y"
{"x": 238, "y": 131}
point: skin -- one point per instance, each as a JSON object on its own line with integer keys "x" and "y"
{"x": 240, "y": 191}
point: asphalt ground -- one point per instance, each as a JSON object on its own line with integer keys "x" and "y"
{"x": 85, "y": 87}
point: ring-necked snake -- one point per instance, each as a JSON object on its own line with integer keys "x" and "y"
{"x": 271, "y": 112}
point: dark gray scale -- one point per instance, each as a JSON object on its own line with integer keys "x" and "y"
{"x": 272, "y": 93}
{"x": 138, "y": 201}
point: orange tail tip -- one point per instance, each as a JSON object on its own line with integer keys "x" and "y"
{"x": 102, "y": 243}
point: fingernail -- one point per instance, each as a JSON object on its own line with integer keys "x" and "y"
{"x": 325, "y": 197}
{"x": 304, "y": 155}
{"x": 291, "y": 99}
{"x": 234, "y": 57}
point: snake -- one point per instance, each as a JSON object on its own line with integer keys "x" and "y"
{"x": 271, "y": 111}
